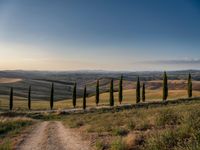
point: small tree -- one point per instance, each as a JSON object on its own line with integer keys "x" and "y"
{"x": 111, "y": 93}
{"x": 189, "y": 86}
{"x": 11, "y": 98}
{"x": 138, "y": 90}
{"x": 84, "y": 98}
{"x": 165, "y": 86}
{"x": 29, "y": 98}
{"x": 52, "y": 96}
{"x": 74, "y": 95}
{"x": 97, "y": 93}
{"x": 121, "y": 89}
{"x": 143, "y": 93}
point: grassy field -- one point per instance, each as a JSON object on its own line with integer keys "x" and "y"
{"x": 175, "y": 127}
{"x": 129, "y": 98}
{"x": 172, "y": 126}
{"x": 11, "y": 127}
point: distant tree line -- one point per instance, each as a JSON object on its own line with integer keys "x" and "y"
{"x": 138, "y": 88}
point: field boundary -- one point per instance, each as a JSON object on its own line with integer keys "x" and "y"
{"x": 113, "y": 108}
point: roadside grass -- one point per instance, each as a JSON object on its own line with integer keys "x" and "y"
{"x": 129, "y": 98}
{"x": 10, "y": 127}
{"x": 175, "y": 127}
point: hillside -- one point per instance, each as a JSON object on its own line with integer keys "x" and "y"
{"x": 41, "y": 82}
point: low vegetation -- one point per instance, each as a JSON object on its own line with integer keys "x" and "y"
{"x": 10, "y": 127}
{"x": 170, "y": 127}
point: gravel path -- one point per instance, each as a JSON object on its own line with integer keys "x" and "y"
{"x": 53, "y": 136}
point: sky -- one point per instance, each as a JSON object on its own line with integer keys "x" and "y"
{"x": 116, "y": 35}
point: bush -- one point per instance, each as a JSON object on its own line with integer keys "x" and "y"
{"x": 119, "y": 132}
{"x": 13, "y": 126}
{"x": 131, "y": 125}
{"x": 168, "y": 117}
{"x": 165, "y": 141}
{"x": 118, "y": 144}
{"x": 143, "y": 125}
{"x": 99, "y": 145}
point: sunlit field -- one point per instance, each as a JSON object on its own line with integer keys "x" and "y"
{"x": 128, "y": 98}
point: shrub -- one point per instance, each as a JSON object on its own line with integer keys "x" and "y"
{"x": 168, "y": 117}
{"x": 131, "y": 125}
{"x": 118, "y": 144}
{"x": 119, "y": 131}
{"x": 8, "y": 126}
{"x": 99, "y": 145}
{"x": 162, "y": 141}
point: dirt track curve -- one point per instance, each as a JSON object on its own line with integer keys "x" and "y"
{"x": 53, "y": 136}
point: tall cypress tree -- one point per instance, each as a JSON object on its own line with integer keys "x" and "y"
{"x": 189, "y": 86}
{"x": 165, "y": 86}
{"x": 29, "y": 98}
{"x": 84, "y": 98}
{"x": 121, "y": 89}
{"x": 52, "y": 96}
{"x": 138, "y": 90}
{"x": 97, "y": 93}
{"x": 74, "y": 96}
{"x": 11, "y": 98}
{"x": 111, "y": 93}
{"x": 143, "y": 93}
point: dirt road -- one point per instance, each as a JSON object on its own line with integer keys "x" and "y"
{"x": 53, "y": 136}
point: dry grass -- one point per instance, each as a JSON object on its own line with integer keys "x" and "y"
{"x": 129, "y": 98}
{"x": 10, "y": 127}
{"x": 150, "y": 129}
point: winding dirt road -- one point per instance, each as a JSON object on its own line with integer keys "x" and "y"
{"x": 53, "y": 136}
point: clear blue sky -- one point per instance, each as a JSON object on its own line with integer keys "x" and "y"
{"x": 100, "y": 34}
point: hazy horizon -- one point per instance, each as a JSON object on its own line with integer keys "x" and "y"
{"x": 114, "y": 35}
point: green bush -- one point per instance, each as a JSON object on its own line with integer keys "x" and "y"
{"x": 8, "y": 126}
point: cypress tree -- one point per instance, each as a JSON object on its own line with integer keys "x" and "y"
{"x": 97, "y": 93}
{"x": 165, "y": 86}
{"x": 138, "y": 90}
{"x": 29, "y": 98}
{"x": 189, "y": 86}
{"x": 52, "y": 96}
{"x": 11, "y": 98}
{"x": 84, "y": 98}
{"x": 111, "y": 93}
{"x": 143, "y": 93}
{"x": 74, "y": 95}
{"x": 121, "y": 89}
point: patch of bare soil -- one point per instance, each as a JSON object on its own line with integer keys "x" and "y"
{"x": 53, "y": 136}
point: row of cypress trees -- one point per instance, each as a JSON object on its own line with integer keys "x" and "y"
{"x": 111, "y": 100}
